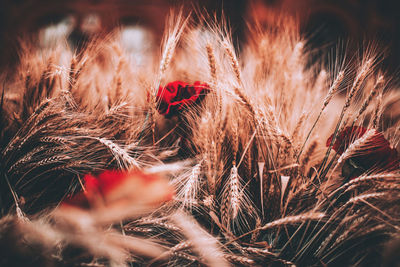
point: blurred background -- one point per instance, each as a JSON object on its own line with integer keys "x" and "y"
{"x": 326, "y": 23}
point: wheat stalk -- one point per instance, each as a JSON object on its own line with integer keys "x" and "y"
{"x": 366, "y": 102}
{"x": 332, "y": 90}
{"x": 212, "y": 63}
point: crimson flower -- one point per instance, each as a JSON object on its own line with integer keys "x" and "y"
{"x": 113, "y": 186}
{"x": 376, "y": 153}
{"x": 176, "y": 96}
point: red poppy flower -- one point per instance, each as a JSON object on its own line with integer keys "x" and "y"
{"x": 112, "y": 186}
{"x": 176, "y": 96}
{"x": 375, "y": 154}
{"x": 346, "y": 138}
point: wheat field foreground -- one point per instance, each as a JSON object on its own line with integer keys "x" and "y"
{"x": 199, "y": 154}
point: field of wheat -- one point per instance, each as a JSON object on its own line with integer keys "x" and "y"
{"x": 202, "y": 154}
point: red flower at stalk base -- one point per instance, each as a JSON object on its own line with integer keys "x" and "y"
{"x": 176, "y": 96}
{"x": 376, "y": 154}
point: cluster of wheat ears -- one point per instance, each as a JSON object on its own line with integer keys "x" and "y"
{"x": 254, "y": 182}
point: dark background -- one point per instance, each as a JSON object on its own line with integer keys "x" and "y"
{"x": 327, "y": 24}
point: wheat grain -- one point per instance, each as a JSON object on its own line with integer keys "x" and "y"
{"x": 377, "y": 113}
{"x": 362, "y": 74}
{"x": 212, "y": 63}
{"x": 233, "y": 60}
{"x": 123, "y": 158}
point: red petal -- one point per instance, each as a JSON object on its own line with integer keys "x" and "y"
{"x": 375, "y": 154}
{"x": 91, "y": 183}
{"x": 106, "y": 184}
{"x": 176, "y": 96}
{"x": 109, "y": 179}
{"x": 345, "y": 138}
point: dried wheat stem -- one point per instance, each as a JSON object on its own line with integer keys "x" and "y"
{"x": 139, "y": 230}
{"x": 177, "y": 24}
{"x": 245, "y": 100}
{"x": 160, "y": 223}
{"x": 377, "y": 112}
{"x": 296, "y": 56}
{"x": 120, "y": 154}
{"x": 44, "y": 105}
{"x": 16, "y": 199}
{"x": 212, "y": 63}
{"x": 213, "y": 72}
{"x": 234, "y": 192}
{"x": 235, "y": 143}
{"x": 362, "y": 74}
{"x": 366, "y": 196}
{"x": 369, "y": 179}
{"x": 299, "y": 124}
{"x": 332, "y": 90}
{"x": 234, "y": 62}
{"x": 353, "y": 148}
{"x": 260, "y": 251}
{"x": 328, "y": 239}
{"x": 75, "y": 71}
{"x": 190, "y": 189}
{"x": 288, "y": 144}
{"x": 209, "y": 151}
{"x": 256, "y": 234}
{"x": 249, "y": 142}
{"x": 207, "y": 247}
{"x": 118, "y": 80}
{"x": 286, "y": 220}
{"x": 366, "y": 232}
{"x": 51, "y": 160}
{"x": 72, "y": 73}
{"x": 373, "y": 92}
{"x": 239, "y": 259}
{"x": 167, "y": 55}
{"x": 181, "y": 246}
{"x": 186, "y": 257}
{"x": 53, "y": 139}
{"x": 346, "y": 233}
{"x": 224, "y": 210}
{"x": 287, "y": 167}
{"x": 153, "y": 127}
{"x": 365, "y": 69}
{"x": 26, "y": 158}
{"x": 47, "y": 161}
{"x": 309, "y": 152}
{"x": 44, "y": 81}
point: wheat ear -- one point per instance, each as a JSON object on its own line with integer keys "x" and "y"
{"x": 332, "y": 90}
{"x": 373, "y": 92}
